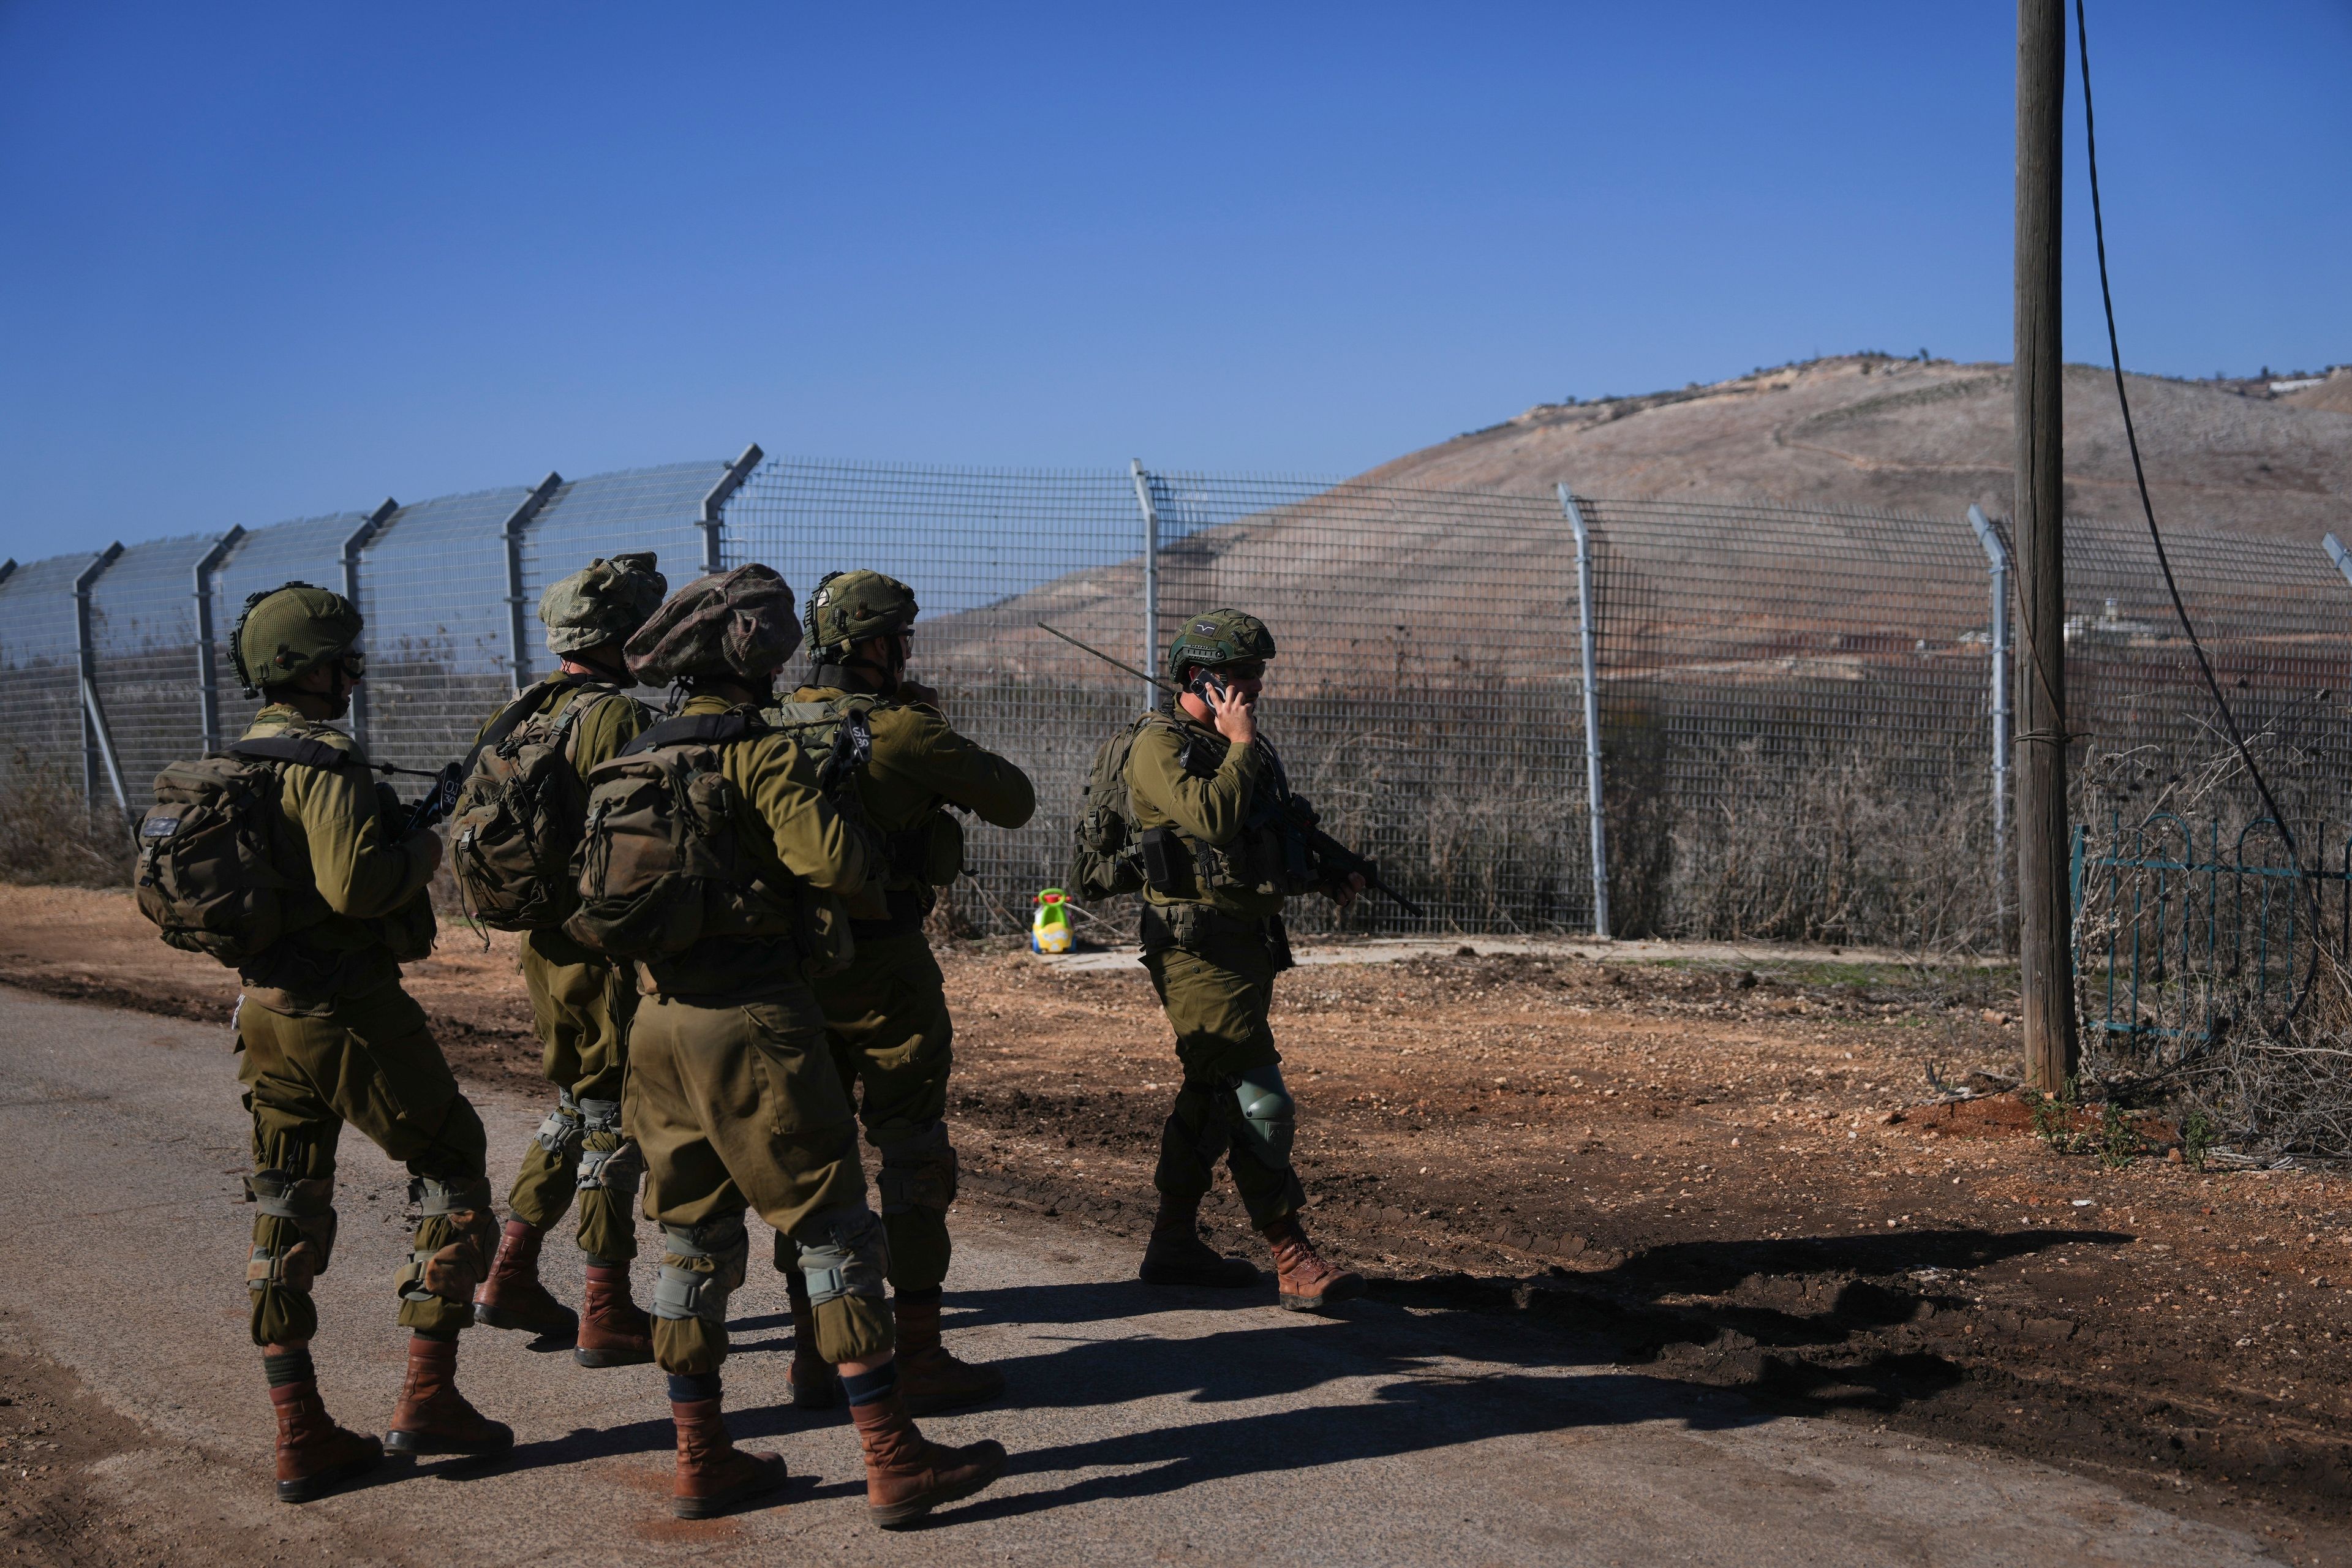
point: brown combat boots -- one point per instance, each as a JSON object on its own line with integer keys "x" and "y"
{"x": 812, "y": 1382}
{"x": 907, "y": 1474}
{"x": 513, "y": 1297}
{"x": 930, "y": 1378}
{"x": 432, "y": 1416}
{"x": 613, "y": 1331}
{"x": 1177, "y": 1256}
{"x": 314, "y": 1454}
{"x": 1302, "y": 1279}
{"x": 713, "y": 1474}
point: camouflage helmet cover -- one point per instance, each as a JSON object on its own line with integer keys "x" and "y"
{"x": 289, "y": 631}
{"x": 603, "y": 602}
{"x": 1219, "y": 637}
{"x": 849, "y": 607}
{"x": 735, "y": 622}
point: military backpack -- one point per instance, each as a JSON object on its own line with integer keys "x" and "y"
{"x": 662, "y": 862}
{"x": 1106, "y": 852}
{"x": 521, "y": 809}
{"x": 213, "y": 870}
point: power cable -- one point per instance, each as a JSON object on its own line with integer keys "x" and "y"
{"x": 2156, "y": 536}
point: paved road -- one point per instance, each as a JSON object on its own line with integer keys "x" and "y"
{"x": 1146, "y": 1427}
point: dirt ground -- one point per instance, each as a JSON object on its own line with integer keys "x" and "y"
{"x": 1752, "y": 1175}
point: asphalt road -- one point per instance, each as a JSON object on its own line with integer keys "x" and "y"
{"x": 1146, "y": 1427}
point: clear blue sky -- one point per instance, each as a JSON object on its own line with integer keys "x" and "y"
{"x": 263, "y": 260}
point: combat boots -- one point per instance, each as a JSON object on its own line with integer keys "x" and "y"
{"x": 812, "y": 1382}
{"x": 1177, "y": 1256}
{"x": 907, "y": 1474}
{"x": 1303, "y": 1280}
{"x": 432, "y": 1416}
{"x": 513, "y": 1297}
{"x": 314, "y": 1454}
{"x": 613, "y": 1332}
{"x": 930, "y": 1379}
{"x": 713, "y": 1474}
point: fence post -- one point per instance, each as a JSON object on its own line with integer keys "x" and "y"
{"x": 96, "y": 738}
{"x": 1592, "y": 798}
{"x": 715, "y": 504}
{"x": 207, "y": 671}
{"x": 1150, "y": 660}
{"x": 1997, "y": 553}
{"x": 518, "y": 641}
{"x": 351, "y": 548}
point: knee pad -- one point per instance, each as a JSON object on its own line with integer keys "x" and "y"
{"x": 844, "y": 1253}
{"x": 455, "y": 1228}
{"x": 560, "y": 1133}
{"x": 297, "y": 1250}
{"x": 701, "y": 1268}
{"x": 919, "y": 1173}
{"x": 615, "y": 1171}
{"x": 1269, "y": 1116}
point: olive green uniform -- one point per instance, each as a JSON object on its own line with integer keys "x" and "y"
{"x": 887, "y": 1015}
{"x": 732, "y": 1094}
{"x": 581, "y": 1004}
{"x": 329, "y": 1037}
{"x": 1214, "y": 946}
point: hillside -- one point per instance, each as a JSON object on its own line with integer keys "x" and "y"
{"x": 1928, "y": 438}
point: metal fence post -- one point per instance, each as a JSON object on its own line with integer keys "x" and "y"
{"x": 1997, "y": 554}
{"x": 207, "y": 674}
{"x": 96, "y": 738}
{"x": 1592, "y": 796}
{"x": 351, "y": 548}
{"x": 715, "y": 504}
{"x": 1150, "y": 575}
{"x": 518, "y": 639}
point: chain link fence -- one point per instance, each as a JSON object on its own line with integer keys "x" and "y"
{"x": 1794, "y": 710}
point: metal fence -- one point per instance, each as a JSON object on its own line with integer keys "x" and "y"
{"x": 1792, "y": 712}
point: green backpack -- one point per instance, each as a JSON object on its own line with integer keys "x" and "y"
{"x": 210, "y": 873}
{"x": 521, "y": 812}
{"x": 661, "y": 863}
{"x": 1106, "y": 854}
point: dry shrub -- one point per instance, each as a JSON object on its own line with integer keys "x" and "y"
{"x": 50, "y": 834}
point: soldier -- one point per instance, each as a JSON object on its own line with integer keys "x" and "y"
{"x": 732, "y": 1092}
{"x": 581, "y": 1003}
{"x": 887, "y": 1015}
{"x": 328, "y": 1036}
{"x": 1205, "y": 797}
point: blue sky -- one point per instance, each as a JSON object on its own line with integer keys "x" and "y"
{"x": 268, "y": 260}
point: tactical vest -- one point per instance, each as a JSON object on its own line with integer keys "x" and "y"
{"x": 1116, "y": 854}
{"x": 928, "y": 852}
{"x": 521, "y": 809}
{"x": 663, "y": 864}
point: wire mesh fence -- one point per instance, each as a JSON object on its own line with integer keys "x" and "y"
{"x": 1794, "y": 719}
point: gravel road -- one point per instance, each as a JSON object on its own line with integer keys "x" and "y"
{"x": 1146, "y": 1427}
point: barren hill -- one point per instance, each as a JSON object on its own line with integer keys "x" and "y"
{"x": 1926, "y": 438}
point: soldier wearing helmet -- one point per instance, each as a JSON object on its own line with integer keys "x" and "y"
{"x": 1206, "y": 793}
{"x": 581, "y": 1002}
{"x": 329, "y": 1037}
{"x": 732, "y": 1093}
{"x": 887, "y": 1015}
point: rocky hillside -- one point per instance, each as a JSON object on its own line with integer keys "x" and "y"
{"x": 1928, "y": 438}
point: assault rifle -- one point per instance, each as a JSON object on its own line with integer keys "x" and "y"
{"x": 1334, "y": 860}
{"x": 440, "y": 796}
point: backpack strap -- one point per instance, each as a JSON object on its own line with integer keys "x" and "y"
{"x": 295, "y": 749}
{"x": 696, "y": 728}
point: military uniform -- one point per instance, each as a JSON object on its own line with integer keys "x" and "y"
{"x": 581, "y": 1004}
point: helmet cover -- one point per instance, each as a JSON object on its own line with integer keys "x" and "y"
{"x": 603, "y": 602}
{"x": 736, "y": 623}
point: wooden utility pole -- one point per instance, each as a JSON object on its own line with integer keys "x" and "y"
{"x": 2045, "y": 911}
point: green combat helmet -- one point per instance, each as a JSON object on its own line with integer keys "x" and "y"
{"x": 850, "y": 606}
{"x": 737, "y": 623}
{"x": 603, "y": 602}
{"x": 287, "y": 631}
{"x": 1217, "y": 638}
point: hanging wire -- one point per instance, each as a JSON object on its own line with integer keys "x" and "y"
{"x": 2156, "y": 535}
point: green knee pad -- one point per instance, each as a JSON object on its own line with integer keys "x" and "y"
{"x": 457, "y": 1234}
{"x": 283, "y": 1312}
{"x": 1269, "y": 1117}
{"x": 701, "y": 1266}
{"x": 845, "y": 1257}
{"x": 610, "y": 1169}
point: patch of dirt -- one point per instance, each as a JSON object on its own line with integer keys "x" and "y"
{"x": 1740, "y": 1175}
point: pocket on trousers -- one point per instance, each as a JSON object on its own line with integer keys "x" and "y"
{"x": 792, "y": 1065}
